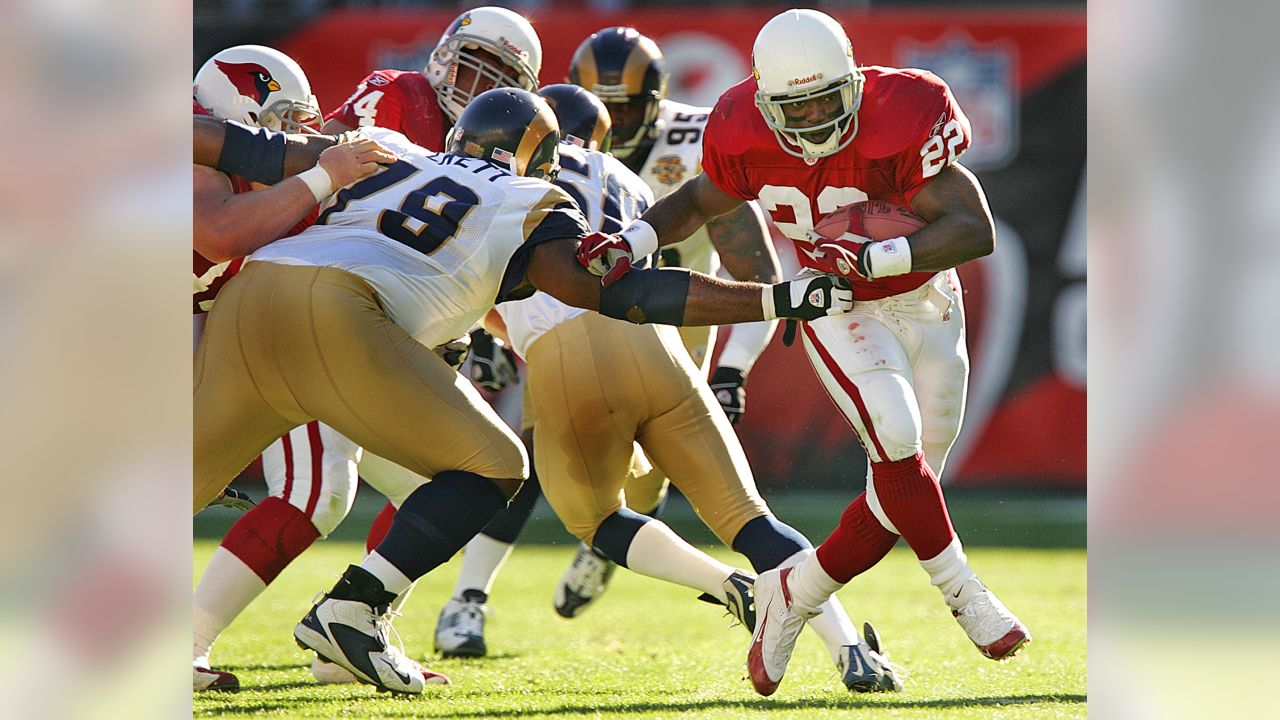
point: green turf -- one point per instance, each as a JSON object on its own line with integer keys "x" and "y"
{"x": 648, "y": 650}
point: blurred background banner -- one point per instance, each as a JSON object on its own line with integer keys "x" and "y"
{"x": 1020, "y": 75}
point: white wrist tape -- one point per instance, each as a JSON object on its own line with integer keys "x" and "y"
{"x": 889, "y": 257}
{"x": 318, "y": 182}
{"x": 642, "y": 238}
{"x": 766, "y": 302}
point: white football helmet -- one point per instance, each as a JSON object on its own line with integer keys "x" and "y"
{"x": 825, "y": 68}
{"x": 496, "y": 30}
{"x": 258, "y": 85}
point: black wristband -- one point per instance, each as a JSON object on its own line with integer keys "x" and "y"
{"x": 255, "y": 154}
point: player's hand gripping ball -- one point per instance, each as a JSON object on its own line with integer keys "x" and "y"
{"x": 844, "y": 235}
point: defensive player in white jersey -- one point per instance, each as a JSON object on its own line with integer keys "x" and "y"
{"x": 656, "y": 396}
{"x": 661, "y": 141}
{"x": 811, "y": 133}
{"x": 335, "y": 324}
{"x": 310, "y": 472}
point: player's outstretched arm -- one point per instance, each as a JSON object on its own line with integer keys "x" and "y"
{"x": 672, "y": 219}
{"x": 675, "y": 296}
{"x": 229, "y": 225}
{"x": 253, "y": 153}
{"x": 960, "y": 227}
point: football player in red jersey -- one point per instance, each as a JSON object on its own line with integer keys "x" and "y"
{"x": 233, "y": 217}
{"x": 808, "y": 134}
{"x": 481, "y": 49}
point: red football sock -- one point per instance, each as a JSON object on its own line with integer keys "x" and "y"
{"x": 910, "y": 496}
{"x": 379, "y": 528}
{"x": 857, "y": 543}
{"x": 270, "y": 536}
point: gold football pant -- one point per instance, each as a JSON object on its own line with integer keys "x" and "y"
{"x": 643, "y": 492}
{"x": 599, "y": 384}
{"x": 288, "y": 344}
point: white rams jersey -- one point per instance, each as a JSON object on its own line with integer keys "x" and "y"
{"x": 610, "y": 196}
{"x": 674, "y": 159}
{"x": 439, "y": 237}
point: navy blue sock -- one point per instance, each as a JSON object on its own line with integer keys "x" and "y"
{"x": 507, "y": 524}
{"x": 614, "y": 536}
{"x": 437, "y": 519}
{"x": 767, "y": 541}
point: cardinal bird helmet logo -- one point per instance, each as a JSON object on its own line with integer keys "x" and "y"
{"x": 251, "y": 79}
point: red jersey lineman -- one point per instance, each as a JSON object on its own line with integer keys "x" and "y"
{"x": 808, "y": 134}
{"x": 395, "y": 99}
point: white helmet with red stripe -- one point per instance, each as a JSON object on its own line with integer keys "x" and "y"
{"x": 260, "y": 86}
{"x": 807, "y": 85}
{"x": 497, "y": 31}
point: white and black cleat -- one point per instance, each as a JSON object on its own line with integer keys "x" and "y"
{"x": 584, "y": 582}
{"x": 865, "y": 668}
{"x": 460, "y": 628}
{"x": 353, "y": 633}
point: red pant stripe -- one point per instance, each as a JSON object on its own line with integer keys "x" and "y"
{"x": 317, "y": 465}
{"x": 288, "y": 466}
{"x": 848, "y": 386}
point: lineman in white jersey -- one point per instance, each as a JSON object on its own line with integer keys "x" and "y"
{"x": 336, "y": 324}
{"x": 661, "y": 401}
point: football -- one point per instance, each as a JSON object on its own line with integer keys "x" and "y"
{"x": 875, "y": 219}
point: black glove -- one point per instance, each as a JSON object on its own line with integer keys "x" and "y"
{"x": 493, "y": 365}
{"x": 812, "y": 295}
{"x": 234, "y": 499}
{"x": 454, "y": 352}
{"x": 728, "y": 384}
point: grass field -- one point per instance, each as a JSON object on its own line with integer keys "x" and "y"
{"x": 649, "y": 650}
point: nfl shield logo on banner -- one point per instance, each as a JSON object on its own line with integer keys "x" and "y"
{"x": 982, "y": 78}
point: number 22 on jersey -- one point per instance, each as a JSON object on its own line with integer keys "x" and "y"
{"x": 776, "y": 197}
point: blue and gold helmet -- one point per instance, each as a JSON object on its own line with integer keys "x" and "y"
{"x": 584, "y": 120}
{"x": 511, "y": 128}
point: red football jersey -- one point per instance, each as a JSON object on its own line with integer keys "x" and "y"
{"x": 211, "y": 276}
{"x": 909, "y": 128}
{"x": 397, "y": 100}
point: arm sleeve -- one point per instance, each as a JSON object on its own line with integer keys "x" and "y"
{"x": 943, "y": 136}
{"x": 747, "y": 341}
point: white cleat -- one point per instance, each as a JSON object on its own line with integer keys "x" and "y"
{"x": 204, "y": 678}
{"x": 460, "y": 629}
{"x": 998, "y": 633}
{"x": 351, "y": 634}
{"x": 584, "y": 581}
{"x": 778, "y": 624}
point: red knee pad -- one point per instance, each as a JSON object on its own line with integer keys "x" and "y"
{"x": 270, "y": 536}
